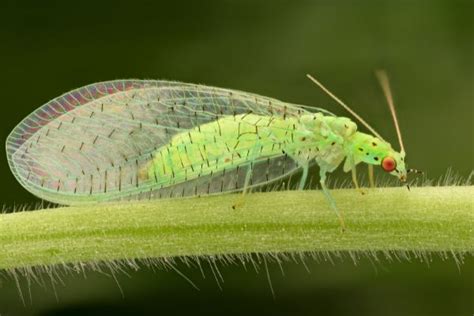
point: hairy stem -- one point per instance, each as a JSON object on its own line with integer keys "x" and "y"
{"x": 385, "y": 219}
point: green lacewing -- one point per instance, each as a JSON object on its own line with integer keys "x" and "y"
{"x": 149, "y": 139}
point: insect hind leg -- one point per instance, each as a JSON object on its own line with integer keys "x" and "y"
{"x": 330, "y": 199}
{"x": 304, "y": 177}
{"x": 241, "y": 200}
{"x": 248, "y": 175}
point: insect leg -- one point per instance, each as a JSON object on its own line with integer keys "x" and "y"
{"x": 354, "y": 180}
{"x": 330, "y": 199}
{"x": 248, "y": 175}
{"x": 304, "y": 176}
{"x": 371, "y": 176}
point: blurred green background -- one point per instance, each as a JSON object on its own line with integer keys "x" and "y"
{"x": 265, "y": 47}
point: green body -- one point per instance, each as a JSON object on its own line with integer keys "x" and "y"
{"x": 236, "y": 141}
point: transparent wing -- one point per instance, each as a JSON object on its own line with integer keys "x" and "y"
{"x": 88, "y": 144}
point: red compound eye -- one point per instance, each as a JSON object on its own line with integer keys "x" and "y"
{"x": 389, "y": 164}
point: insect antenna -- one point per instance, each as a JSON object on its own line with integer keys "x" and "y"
{"x": 345, "y": 106}
{"x": 384, "y": 83}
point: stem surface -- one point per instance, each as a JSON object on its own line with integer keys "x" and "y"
{"x": 385, "y": 219}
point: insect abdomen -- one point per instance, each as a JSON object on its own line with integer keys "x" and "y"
{"x": 228, "y": 143}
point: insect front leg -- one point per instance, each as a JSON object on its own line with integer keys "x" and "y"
{"x": 355, "y": 181}
{"x": 351, "y": 165}
{"x": 330, "y": 199}
{"x": 371, "y": 176}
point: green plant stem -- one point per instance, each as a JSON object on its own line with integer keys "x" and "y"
{"x": 385, "y": 219}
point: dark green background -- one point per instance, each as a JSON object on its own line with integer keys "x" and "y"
{"x": 266, "y": 47}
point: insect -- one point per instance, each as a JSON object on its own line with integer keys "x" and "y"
{"x": 147, "y": 139}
